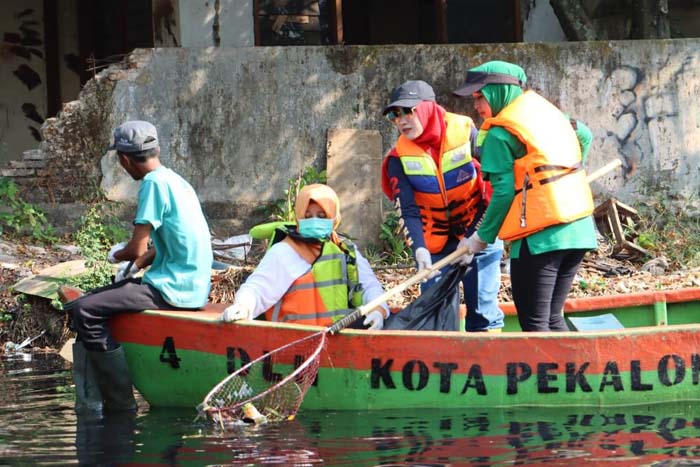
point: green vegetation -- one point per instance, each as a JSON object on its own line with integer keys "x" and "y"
{"x": 594, "y": 285}
{"x": 283, "y": 208}
{"x": 665, "y": 229}
{"x": 393, "y": 249}
{"x": 99, "y": 230}
{"x": 394, "y": 244}
{"x": 19, "y": 219}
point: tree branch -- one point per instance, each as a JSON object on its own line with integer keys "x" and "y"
{"x": 574, "y": 21}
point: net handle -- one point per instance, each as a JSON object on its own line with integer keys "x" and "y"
{"x": 416, "y": 278}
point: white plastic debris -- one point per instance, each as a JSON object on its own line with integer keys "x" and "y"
{"x": 236, "y": 247}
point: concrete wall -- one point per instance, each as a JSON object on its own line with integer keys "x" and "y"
{"x": 239, "y": 123}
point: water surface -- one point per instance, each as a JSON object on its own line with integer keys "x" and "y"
{"x": 39, "y": 427}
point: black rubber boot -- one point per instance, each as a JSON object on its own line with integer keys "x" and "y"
{"x": 114, "y": 380}
{"x": 88, "y": 397}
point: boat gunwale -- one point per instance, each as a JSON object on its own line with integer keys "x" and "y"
{"x": 213, "y": 318}
{"x": 583, "y": 304}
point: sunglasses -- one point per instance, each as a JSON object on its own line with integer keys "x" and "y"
{"x": 397, "y": 112}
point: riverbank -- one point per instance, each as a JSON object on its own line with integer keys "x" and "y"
{"x": 24, "y": 317}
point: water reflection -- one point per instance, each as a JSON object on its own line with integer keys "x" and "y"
{"x": 38, "y": 426}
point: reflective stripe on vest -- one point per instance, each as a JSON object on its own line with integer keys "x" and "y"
{"x": 322, "y": 295}
{"x": 550, "y": 182}
{"x": 449, "y": 196}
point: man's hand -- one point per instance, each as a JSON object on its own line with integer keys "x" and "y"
{"x": 375, "y": 319}
{"x": 236, "y": 312}
{"x": 424, "y": 261}
{"x": 113, "y": 250}
{"x": 126, "y": 270}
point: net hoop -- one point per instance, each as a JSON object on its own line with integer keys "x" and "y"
{"x": 314, "y": 357}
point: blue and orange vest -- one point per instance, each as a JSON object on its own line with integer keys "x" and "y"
{"x": 450, "y": 197}
{"x": 550, "y": 182}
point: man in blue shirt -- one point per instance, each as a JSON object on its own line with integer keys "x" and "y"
{"x": 179, "y": 277}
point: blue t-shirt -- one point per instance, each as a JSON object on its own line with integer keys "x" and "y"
{"x": 181, "y": 270}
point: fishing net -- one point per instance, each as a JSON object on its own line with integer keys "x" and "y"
{"x": 269, "y": 388}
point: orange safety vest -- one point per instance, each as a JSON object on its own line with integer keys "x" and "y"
{"x": 324, "y": 293}
{"x": 550, "y": 183}
{"x": 449, "y": 196}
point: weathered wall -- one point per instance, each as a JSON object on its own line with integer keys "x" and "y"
{"x": 238, "y": 123}
{"x": 23, "y": 76}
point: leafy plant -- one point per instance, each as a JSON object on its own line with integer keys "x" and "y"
{"x": 395, "y": 249}
{"x": 99, "y": 229}
{"x": 283, "y": 208}
{"x": 667, "y": 229}
{"x": 22, "y": 219}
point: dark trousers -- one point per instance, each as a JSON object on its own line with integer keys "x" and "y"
{"x": 481, "y": 285}
{"x": 91, "y": 312}
{"x": 540, "y": 285}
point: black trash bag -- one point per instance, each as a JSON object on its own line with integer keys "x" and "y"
{"x": 437, "y": 309}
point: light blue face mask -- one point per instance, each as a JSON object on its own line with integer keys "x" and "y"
{"x": 316, "y": 227}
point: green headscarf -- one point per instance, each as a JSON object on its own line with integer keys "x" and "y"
{"x": 500, "y": 95}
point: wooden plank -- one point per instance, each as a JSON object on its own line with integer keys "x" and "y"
{"x": 614, "y": 220}
{"x": 440, "y": 7}
{"x": 353, "y": 161}
{"x": 336, "y": 22}
{"x": 256, "y": 22}
{"x": 46, "y": 282}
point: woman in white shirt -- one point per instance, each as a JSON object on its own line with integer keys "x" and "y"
{"x": 311, "y": 275}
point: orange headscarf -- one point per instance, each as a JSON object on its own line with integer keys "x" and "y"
{"x": 324, "y": 196}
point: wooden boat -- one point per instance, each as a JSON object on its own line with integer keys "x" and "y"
{"x": 638, "y": 348}
{"x": 176, "y": 358}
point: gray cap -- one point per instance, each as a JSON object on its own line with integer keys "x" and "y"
{"x": 410, "y": 94}
{"x": 135, "y": 136}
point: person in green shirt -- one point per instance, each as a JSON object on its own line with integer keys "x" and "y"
{"x": 179, "y": 277}
{"x": 533, "y": 155}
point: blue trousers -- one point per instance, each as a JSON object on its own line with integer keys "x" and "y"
{"x": 481, "y": 285}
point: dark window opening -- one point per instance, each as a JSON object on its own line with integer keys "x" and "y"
{"x": 371, "y": 22}
{"x": 110, "y": 29}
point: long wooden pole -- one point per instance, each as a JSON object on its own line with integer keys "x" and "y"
{"x": 609, "y": 167}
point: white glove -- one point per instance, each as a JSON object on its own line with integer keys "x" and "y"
{"x": 126, "y": 270}
{"x": 424, "y": 261}
{"x": 236, "y": 312}
{"x": 375, "y": 319}
{"x": 467, "y": 258}
{"x": 474, "y": 245}
{"x": 114, "y": 249}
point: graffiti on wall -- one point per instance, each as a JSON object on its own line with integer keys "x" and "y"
{"x": 653, "y": 123}
{"x": 17, "y": 49}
